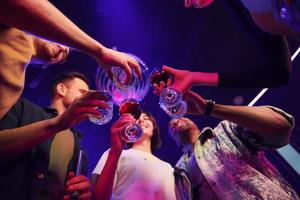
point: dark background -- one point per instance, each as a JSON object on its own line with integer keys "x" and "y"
{"x": 164, "y": 32}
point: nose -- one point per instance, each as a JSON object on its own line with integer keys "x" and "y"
{"x": 175, "y": 122}
{"x": 140, "y": 121}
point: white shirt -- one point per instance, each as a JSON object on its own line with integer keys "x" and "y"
{"x": 140, "y": 176}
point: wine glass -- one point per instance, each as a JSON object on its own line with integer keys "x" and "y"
{"x": 106, "y": 114}
{"x": 170, "y": 100}
{"x": 133, "y": 131}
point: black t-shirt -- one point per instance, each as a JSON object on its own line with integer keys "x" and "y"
{"x": 15, "y": 175}
{"x": 273, "y": 63}
{"x": 227, "y": 40}
{"x": 23, "y": 177}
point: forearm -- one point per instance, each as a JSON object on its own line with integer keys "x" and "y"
{"x": 41, "y": 18}
{"x": 15, "y": 142}
{"x": 202, "y": 78}
{"x": 261, "y": 120}
{"x": 103, "y": 188}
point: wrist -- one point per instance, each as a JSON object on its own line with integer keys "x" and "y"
{"x": 209, "y": 106}
{"x": 97, "y": 50}
{"x": 202, "y": 78}
{"x": 55, "y": 125}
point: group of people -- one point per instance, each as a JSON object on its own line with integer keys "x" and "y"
{"x": 39, "y": 146}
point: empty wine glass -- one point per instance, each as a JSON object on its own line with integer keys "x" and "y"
{"x": 106, "y": 114}
{"x": 170, "y": 100}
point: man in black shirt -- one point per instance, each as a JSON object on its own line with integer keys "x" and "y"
{"x": 246, "y": 56}
{"x": 26, "y": 130}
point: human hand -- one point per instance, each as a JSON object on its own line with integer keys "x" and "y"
{"x": 196, "y": 104}
{"x": 117, "y": 128}
{"x": 110, "y": 58}
{"x": 159, "y": 88}
{"x": 182, "y": 79}
{"x": 81, "y": 184}
{"x": 81, "y": 108}
{"x": 47, "y": 53}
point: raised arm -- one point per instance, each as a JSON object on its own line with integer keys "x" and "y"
{"x": 103, "y": 183}
{"x": 272, "y": 70}
{"x": 16, "y": 141}
{"x": 260, "y": 119}
{"x": 41, "y": 18}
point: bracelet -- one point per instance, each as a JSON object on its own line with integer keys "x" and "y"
{"x": 210, "y": 104}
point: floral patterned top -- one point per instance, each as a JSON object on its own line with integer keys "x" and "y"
{"x": 232, "y": 162}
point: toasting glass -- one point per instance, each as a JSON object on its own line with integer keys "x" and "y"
{"x": 127, "y": 97}
{"x": 170, "y": 100}
{"x": 106, "y": 114}
{"x": 133, "y": 131}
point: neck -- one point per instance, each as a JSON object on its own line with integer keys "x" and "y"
{"x": 58, "y": 105}
{"x": 143, "y": 145}
{"x": 194, "y": 134}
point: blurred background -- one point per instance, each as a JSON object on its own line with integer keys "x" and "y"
{"x": 164, "y": 32}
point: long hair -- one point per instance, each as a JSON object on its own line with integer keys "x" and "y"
{"x": 155, "y": 139}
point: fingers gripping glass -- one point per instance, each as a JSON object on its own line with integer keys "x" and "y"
{"x": 126, "y": 96}
{"x": 170, "y": 100}
{"x": 132, "y": 131}
{"x": 106, "y": 114}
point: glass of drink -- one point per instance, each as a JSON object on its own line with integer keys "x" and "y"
{"x": 133, "y": 131}
{"x": 106, "y": 114}
{"x": 170, "y": 100}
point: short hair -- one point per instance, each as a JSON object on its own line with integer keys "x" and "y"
{"x": 63, "y": 77}
{"x": 155, "y": 139}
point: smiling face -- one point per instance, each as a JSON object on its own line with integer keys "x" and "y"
{"x": 183, "y": 131}
{"x": 146, "y": 124}
{"x": 150, "y": 130}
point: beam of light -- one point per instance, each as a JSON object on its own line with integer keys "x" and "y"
{"x": 290, "y": 155}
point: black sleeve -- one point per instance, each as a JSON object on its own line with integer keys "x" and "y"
{"x": 272, "y": 69}
{"x": 268, "y": 62}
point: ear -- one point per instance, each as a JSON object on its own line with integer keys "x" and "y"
{"x": 61, "y": 89}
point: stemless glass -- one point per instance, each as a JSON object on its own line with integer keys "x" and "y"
{"x": 170, "y": 100}
{"x": 106, "y": 114}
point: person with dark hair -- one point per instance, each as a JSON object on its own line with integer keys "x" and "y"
{"x": 38, "y": 151}
{"x": 247, "y": 56}
{"x": 66, "y": 77}
{"x": 61, "y": 181}
{"x": 227, "y": 162}
{"x": 134, "y": 173}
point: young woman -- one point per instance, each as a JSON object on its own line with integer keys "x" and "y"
{"x": 135, "y": 173}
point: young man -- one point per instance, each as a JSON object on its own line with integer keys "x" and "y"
{"x": 64, "y": 149}
{"x": 34, "y": 160}
{"x": 228, "y": 162}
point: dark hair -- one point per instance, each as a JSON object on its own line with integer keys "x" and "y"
{"x": 155, "y": 139}
{"x": 63, "y": 77}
